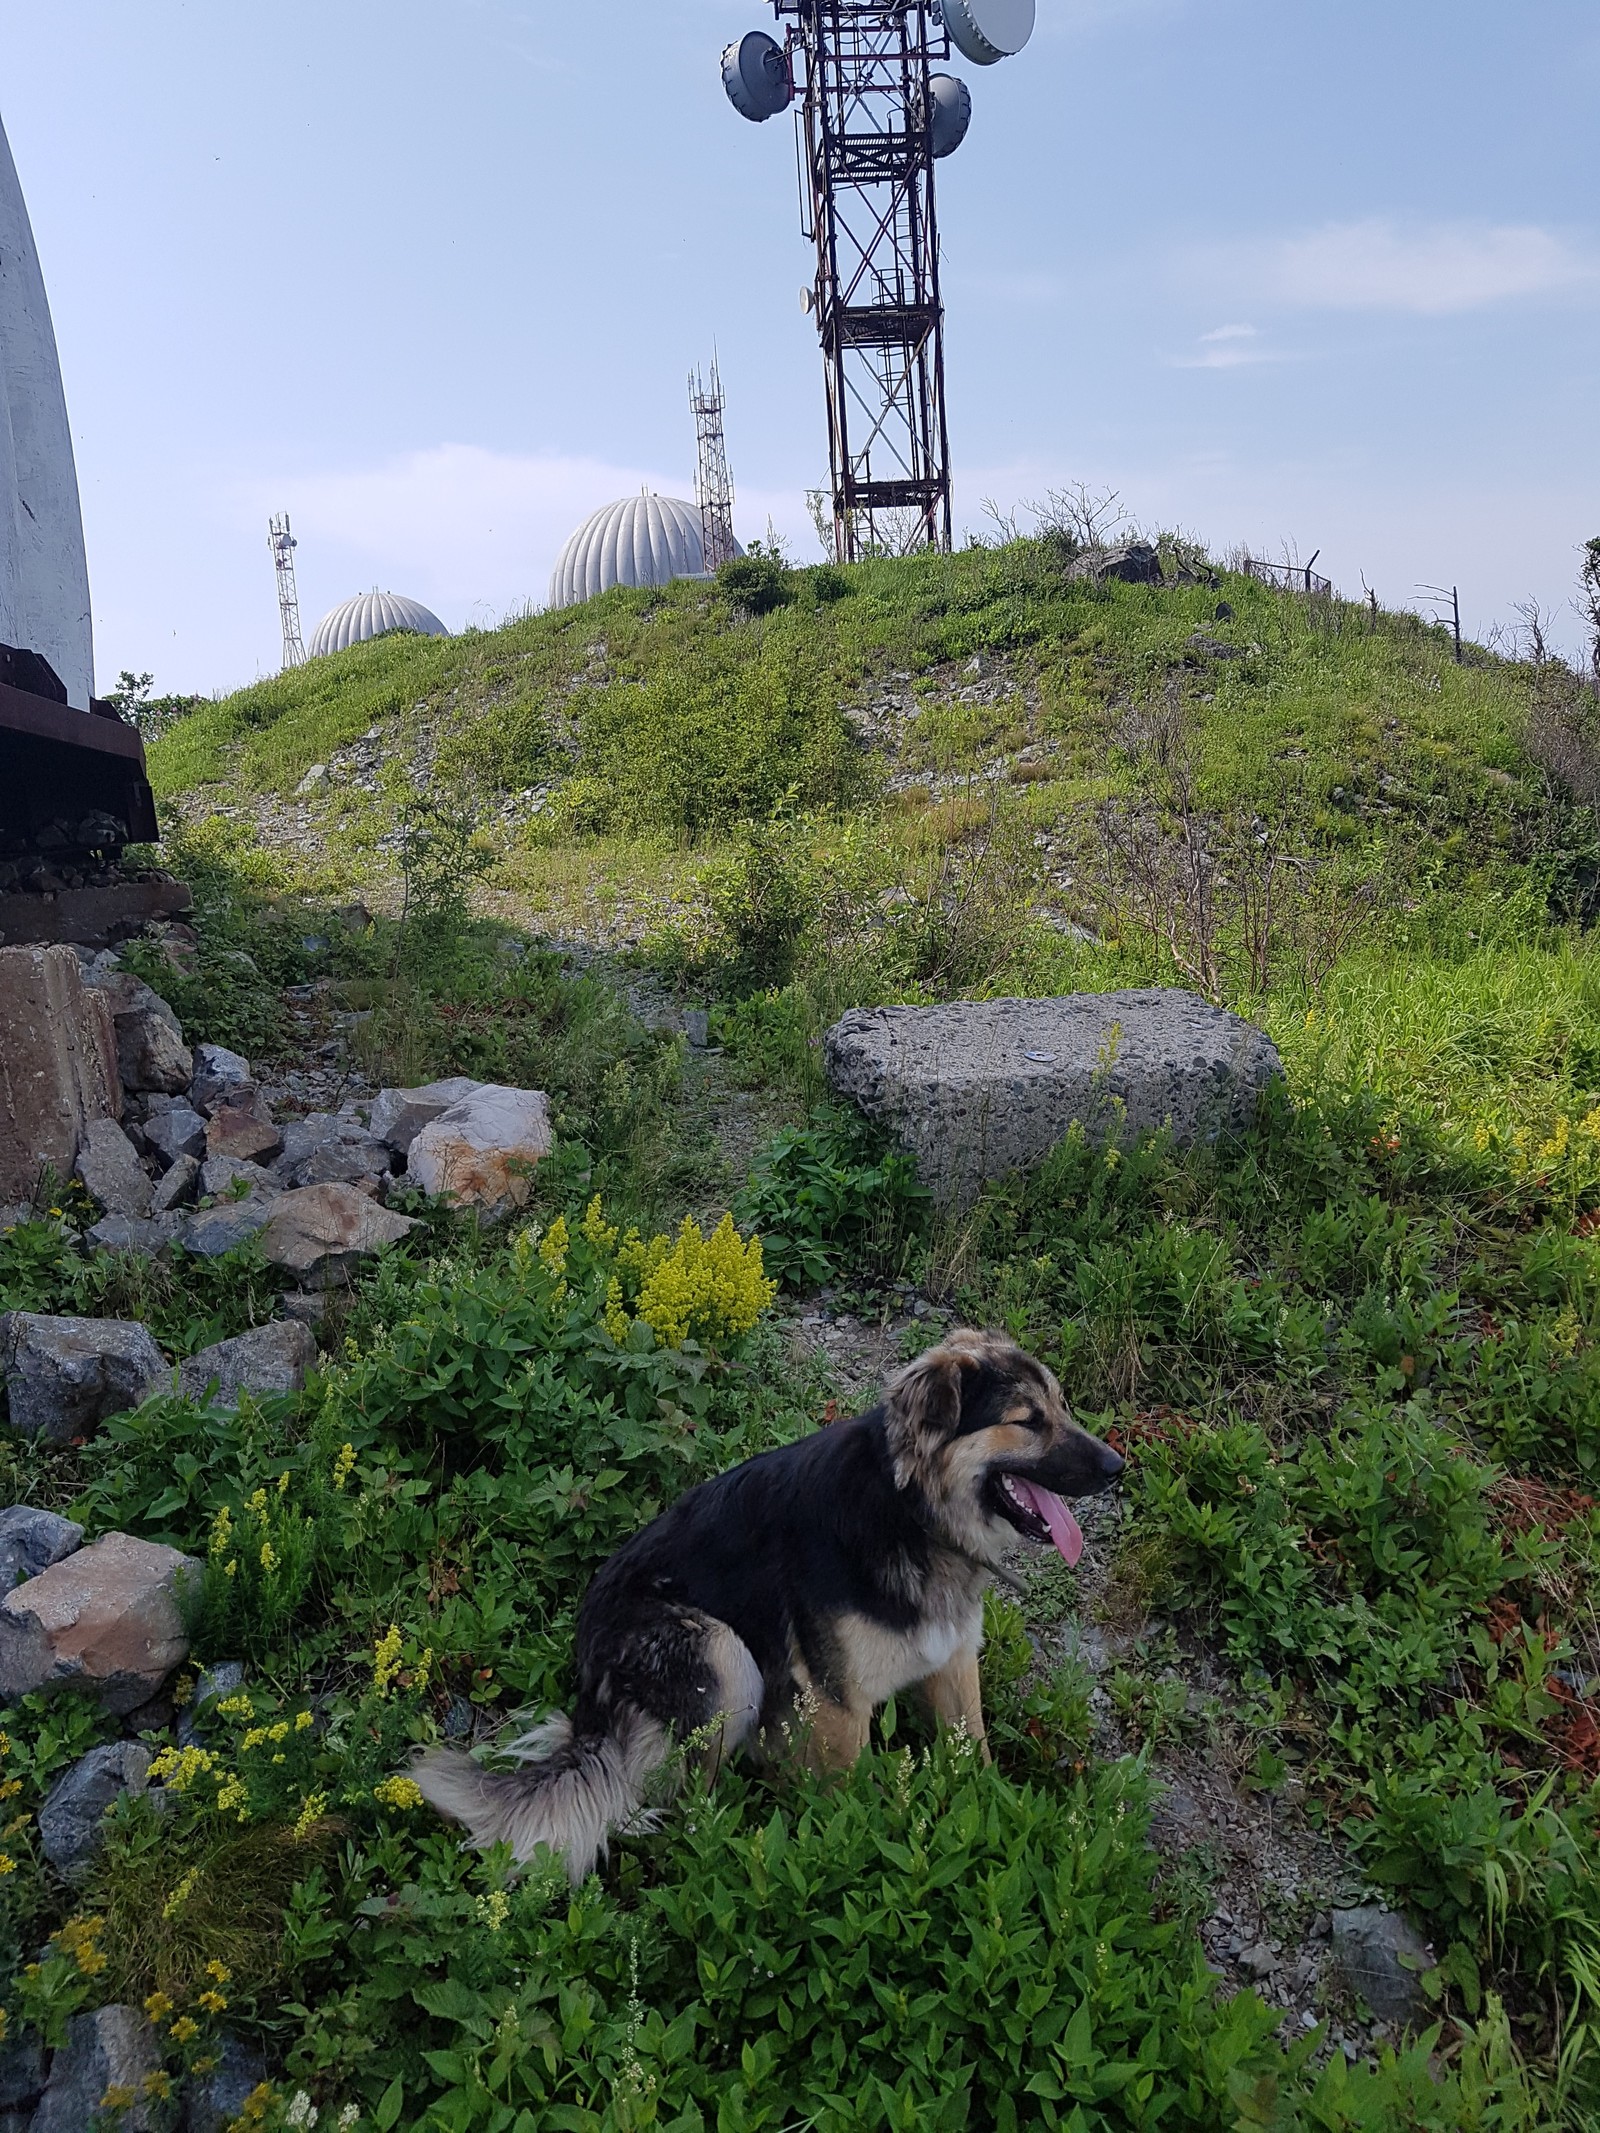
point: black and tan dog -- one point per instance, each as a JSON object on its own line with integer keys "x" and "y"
{"x": 809, "y": 1584}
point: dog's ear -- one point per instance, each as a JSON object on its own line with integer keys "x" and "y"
{"x": 924, "y": 1399}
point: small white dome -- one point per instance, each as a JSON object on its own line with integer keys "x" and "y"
{"x": 369, "y": 615}
{"x": 643, "y": 540}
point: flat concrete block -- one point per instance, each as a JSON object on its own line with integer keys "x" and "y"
{"x": 984, "y": 1087}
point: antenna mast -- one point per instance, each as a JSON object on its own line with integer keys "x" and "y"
{"x": 866, "y": 140}
{"x": 874, "y": 119}
{"x": 283, "y": 544}
{"x": 713, "y": 482}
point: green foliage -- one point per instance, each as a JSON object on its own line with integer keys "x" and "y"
{"x": 757, "y": 582}
{"x": 829, "y": 1199}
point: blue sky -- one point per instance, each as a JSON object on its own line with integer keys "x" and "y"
{"x": 430, "y": 278}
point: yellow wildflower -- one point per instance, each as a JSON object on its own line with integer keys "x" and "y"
{"x": 233, "y": 1566}
{"x": 177, "y": 1768}
{"x": 213, "y": 2002}
{"x": 10, "y": 1789}
{"x": 5, "y": 2024}
{"x": 556, "y": 1244}
{"x": 230, "y": 1795}
{"x": 269, "y": 1557}
{"x": 119, "y": 2098}
{"x": 221, "y": 1535}
{"x": 236, "y": 1706}
{"x": 8, "y": 1865}
{"x": 283, "y": 1482}
{"x": 158, "y": 2084}
{"x": 303, "y": 1719}
{"x": 398, "y": 1792}
{"x": 310, "y": 1814}
{"x": 618, "y": 1323}
{"x": 181, "y": 1894}
{"x": 219, "y": 1971}
{"x": 5, "y": 1742}
{"x": 344, "y": 1466}
{"x": 16, "y": 1826}
{"x": 494, "y": 1909}
{"x": 184, "y": 2030}
{"x": 714, "y": 1288}
{"x": 257, "y": 1502}
{"x": 386, "y": 1659}
{"x": 600, "y": 1233}
{"x": 158, "y": 2006}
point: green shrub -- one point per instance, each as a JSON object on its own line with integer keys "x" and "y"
{"x": 830, "y": 1199}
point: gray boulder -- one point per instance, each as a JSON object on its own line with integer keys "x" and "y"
{"x": 177, "y": 1131}
{"x": 217, "y": 1073}
{"x": 267, "y": 1359}
{"x": 331, "y": 1149}
{"x": 64, "y": 1376}
{"x": 70, "y": 1819}
{"x": 1381, "y": 1958}
{"x": 215, "y": 1682}
{"x": 483, "y": 1150}
{"x": 214, "y": 2103}
{"x": 178, "y": 1185}
{"x": 981, "y": 1088}
{"x": 399, "y": 1115}
{"x": 21, "y": 2077}
{"x": 105, "y": 1621}
{"x": 110, "y": 1172}
{"x": 31, "y": 1541}
{"x": 322, "y": 1233}
{"x": 226, "y": 1174}
{"x": 115, "y": 2047}
{"x": 215, "y": 1230}
{"x": 126, "y": 1233}
{"x": 151, "y": 1053}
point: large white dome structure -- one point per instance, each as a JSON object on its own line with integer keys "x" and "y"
{"x": 369, "y": 615}
{"x": 643, "y": 540}
{"x": 44, "y": 579}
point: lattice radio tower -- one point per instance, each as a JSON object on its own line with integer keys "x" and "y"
{"x": 713, "y": 482}
{"x": 874, "y": 118}
{"x": 283, "y": 544}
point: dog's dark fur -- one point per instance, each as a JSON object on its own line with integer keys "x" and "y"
{"x": 800, "y": 1591}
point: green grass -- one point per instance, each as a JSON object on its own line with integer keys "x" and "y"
{"x": 1354, "y": 1360}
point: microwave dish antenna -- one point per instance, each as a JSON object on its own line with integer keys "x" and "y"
{"x": 755, "y": 73}
{"x": 875, "y": 111}
{"x": 950, "y": 103}
{"x": 986, "y": 31}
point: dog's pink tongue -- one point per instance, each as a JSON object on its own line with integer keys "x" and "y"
{"x": 1064, "y": 1528}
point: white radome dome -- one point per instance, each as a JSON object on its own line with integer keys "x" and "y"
{"x": 643, "y": 540}
{"x": 369, "y": 615}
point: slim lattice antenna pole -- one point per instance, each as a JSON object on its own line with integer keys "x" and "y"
{"x": 283, "y": 544}
{"x": 866, "y": 138}
{"x": 713, "y": 482}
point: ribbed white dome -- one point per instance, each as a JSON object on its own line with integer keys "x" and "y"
{"x": 369, "y": 615}
{"x": 643, "y": 540}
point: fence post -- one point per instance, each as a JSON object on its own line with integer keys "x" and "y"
{"x": 1455, "y": 609}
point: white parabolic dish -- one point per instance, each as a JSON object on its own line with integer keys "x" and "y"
{"x": 986, "y": 30}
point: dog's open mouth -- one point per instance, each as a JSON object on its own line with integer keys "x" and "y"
{"x": 1039, "y": 1516}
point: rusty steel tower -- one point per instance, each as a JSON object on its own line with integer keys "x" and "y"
{"x": 876, "y": 113}
{"x": 283, "y": 544}
{"x": 713, "y": 482}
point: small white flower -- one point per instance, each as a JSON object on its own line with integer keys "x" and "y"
{"x": 301, "y": 2112}
{"x": 348, "y": 2117}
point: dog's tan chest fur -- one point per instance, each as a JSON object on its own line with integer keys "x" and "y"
{"x": 882, "y": 1662}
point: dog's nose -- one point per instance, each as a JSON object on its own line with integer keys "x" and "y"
{"x": 1112, "y": 1464}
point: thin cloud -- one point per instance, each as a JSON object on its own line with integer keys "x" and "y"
{"x": 1227, "y": 348}
{"x": 1430, "y": 271}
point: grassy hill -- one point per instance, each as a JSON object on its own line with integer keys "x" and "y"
{"x": 1346, "y": 1615}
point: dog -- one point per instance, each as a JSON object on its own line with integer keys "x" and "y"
{"x": 793, "y": 1595}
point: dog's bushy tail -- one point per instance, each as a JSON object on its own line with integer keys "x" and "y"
{"x": 571, "y": 1792}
